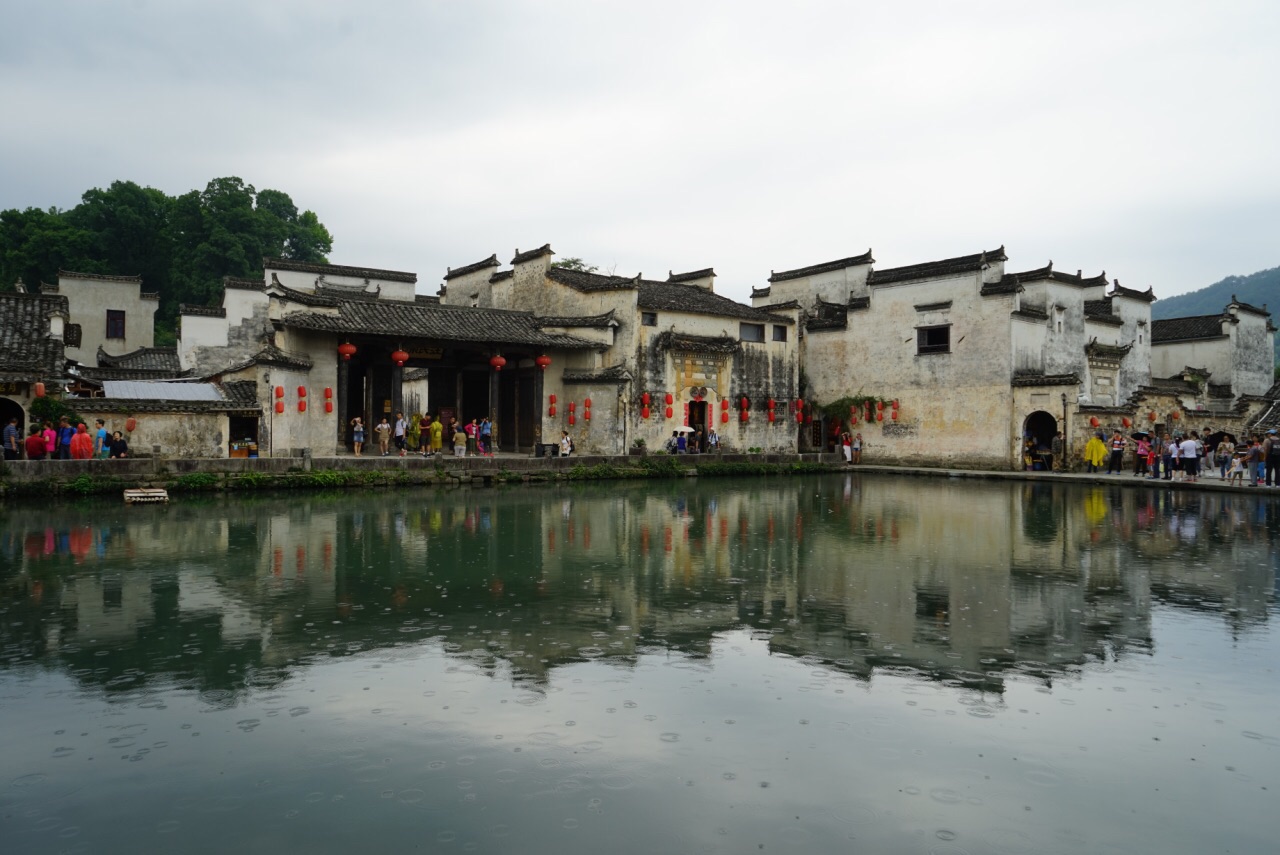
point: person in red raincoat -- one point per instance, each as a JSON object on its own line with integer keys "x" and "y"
{"x": 81, "y": 444}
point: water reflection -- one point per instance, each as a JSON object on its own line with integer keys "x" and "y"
{"x": 964, "y": 583}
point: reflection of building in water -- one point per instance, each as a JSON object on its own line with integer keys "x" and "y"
{"x": 962, "y": 581}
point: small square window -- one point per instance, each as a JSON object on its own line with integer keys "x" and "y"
{"x": 779, "y": 332}
{"x": 649, "y": 319}
{"x": 751, "y": 332}
{"x": 115, "y": 323}
{"x": 933, "y": 339}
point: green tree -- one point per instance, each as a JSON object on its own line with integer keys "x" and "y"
{"x": 575, "y": 264}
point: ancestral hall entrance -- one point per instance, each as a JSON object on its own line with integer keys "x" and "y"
{"x": 1038, "y": 432}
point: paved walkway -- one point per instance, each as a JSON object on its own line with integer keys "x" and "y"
{"x": 1128, "y": 479}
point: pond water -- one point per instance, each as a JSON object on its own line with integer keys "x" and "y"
{"x": 846, "y": 663}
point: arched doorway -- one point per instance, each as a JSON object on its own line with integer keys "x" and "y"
{"x": 9, "y": 410}
{"x": 1038, "y": 432}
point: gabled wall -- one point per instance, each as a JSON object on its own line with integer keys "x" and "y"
{"x": 90, "y": 297}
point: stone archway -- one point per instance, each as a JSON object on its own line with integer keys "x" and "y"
{"x": 1039, "y": 427}
{"x": 10, "y": 409}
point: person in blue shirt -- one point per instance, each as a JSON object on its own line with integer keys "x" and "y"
{"x": 101, "y": 440}
{"x": 486, "y": 436}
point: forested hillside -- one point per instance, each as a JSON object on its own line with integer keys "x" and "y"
{"x": 1257, "y": 289}
{"x": 181, "y": 246}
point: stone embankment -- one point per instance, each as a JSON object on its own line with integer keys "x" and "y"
{"x": 87, "y": 477}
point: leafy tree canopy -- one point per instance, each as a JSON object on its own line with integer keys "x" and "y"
{"x": 181, "y": 246}
{"x": 575, "y": 264}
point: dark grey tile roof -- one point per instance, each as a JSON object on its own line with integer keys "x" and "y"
{"x": 241, "y": 284}
{"x": 1245, "y": 307}
{"x": 301, "y": 297}
{"x": 859, "y": 303}
{"x": 1049, "y": 273}
{"x": 144, "y": 358}
{"x": 339, "y": 270}
{"x": 1107, "y": 351}
{"x": 241, "y": 393}
{"x": 760, "y": 292}
{"x": 444, "y": 323}
{"x": 1186, "y": 329}
{"x": 27, "y": 353}
{"x": 1147, "y": 296}
{"x": 933, "y": 307}
{"x": 691, "y": 275}
{"x": 935, "y": 269}
{"x": 1045, "y": 380}
{"x": 1220, "y": 390}
{"x": 773, "y": 307}
{"x": 1174, "y": 385}
{"x": 453, "y": 273}
{"x": 98, "y": 277}
{"x": 132, "y": 406}
{"x": 271, "y": 355}
{"x": 499, "y": 275}
{"x": 580, "y": 280}
{"x": 426, "y": 300}
{"x": 1099, "y": 311}
{"x": 611, "y": 374}
{"x": 100, "y": 375}
{"x": 522, "y": 257}
{"x": 592, "y": 321}
{"x": 672, "y": 297}
{"x": 1008, "y": 284}
{"x": 1030, "y": 314}
{"x": 681, "y": 343}
{"x": 344, "y": 292}
{"x": 824, "y": 267}
{"x": 204, "y": 311}
{"x": 827, "y": 316}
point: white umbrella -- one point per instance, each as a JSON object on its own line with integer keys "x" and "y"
{"x": 684, "y": 429}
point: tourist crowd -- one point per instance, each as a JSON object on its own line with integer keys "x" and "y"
{"x": 46, "y": 442}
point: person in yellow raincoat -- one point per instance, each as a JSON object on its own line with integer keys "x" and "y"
{"x": 1095, "y": 452}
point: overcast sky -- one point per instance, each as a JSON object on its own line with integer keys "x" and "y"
{"x": 1136, "y": 137}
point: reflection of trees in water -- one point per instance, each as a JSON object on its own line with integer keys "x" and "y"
{"x": 964, "y": 583}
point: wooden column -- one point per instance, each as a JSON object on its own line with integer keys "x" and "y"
{"x": 344, "y": 378}
{"x": 494, "y": 405}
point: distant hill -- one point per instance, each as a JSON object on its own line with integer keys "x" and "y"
{"x": 1256, "y": 289}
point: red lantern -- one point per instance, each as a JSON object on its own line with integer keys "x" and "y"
{"x": 724, "y": 403}
{"x": 668, "y": 410}
{"x": 1093, "y": 421}
{"x": 39, "y": 388}
{"x": 644, "y": 412}
{"x": 670, "y": 400}
{"x": 586, "y": 402}
{"x": 772, "y": 403}
{"x": 328, "y": 392}
{"x": 895, "y": 415}
{"x": 130, "y": 424}
{"x": 879, "y": 405}
{"x": 771, "y": 416}
{"x": 1125, "y": 421}
{"x": 742, "y": 415}
{"x": 724, "y": 416}
{"x": 497, "y": 361}
{"x": 1151, "y": 416}
{"x": 400, "y": 357}
{"x": 586, "y": 414}
{"x": 644, "y": 399}
{"x": 347, "y": 350}
{"x": 302, "y": 406}
{"x": 880, "y": 416}
{"x": 551, "y": 411}
{"x": 572, "y": 420}
{"x": 551, "y": 398}
{"x": 279, "y": 391}
{"x": 799, "y": 417}
{"x": 542, "y": 362}
{"x": 328, "y": 406}
{"x": 799, "y": 403}
{"x": 279, "y": 407}
{"x": 744, "y": 403}
{"x": 302, "y": 391}
{"x": 1176, "y": 415}
{"x": 572, "y": 406}
{"x": 895, "y": 403}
